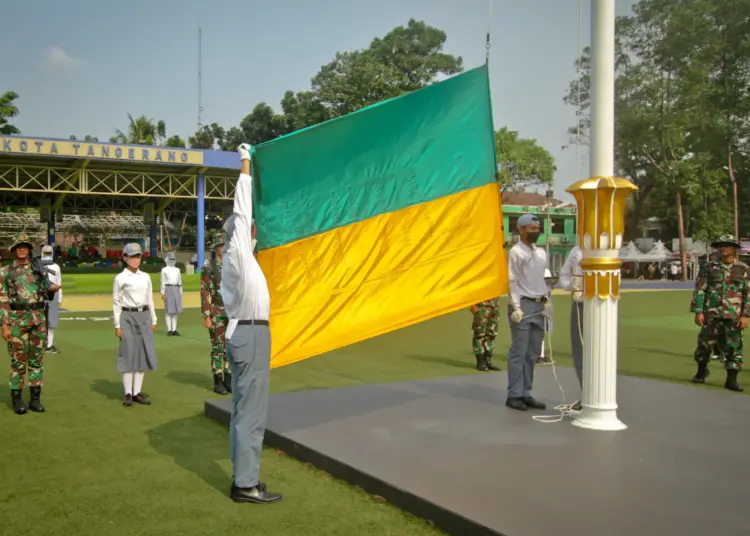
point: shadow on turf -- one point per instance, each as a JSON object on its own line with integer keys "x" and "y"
{"x": 190, "y": 378}
{"x": 469, "y": 362}
{"x": 107, "y": 388}
{"x": 196, "y": 444}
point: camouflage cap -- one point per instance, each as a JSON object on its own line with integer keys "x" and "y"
{"x": 131, "y": 250}
{"x": 21, "y": 239}
{"x": 217, "y": 239}
{"x": 726, "y": 240}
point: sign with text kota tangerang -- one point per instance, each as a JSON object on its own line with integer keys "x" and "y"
{"x": 99, "y": 151}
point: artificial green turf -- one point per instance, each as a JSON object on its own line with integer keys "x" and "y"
{"x": 92, "y": 467}
{"x": 78, "y": 284}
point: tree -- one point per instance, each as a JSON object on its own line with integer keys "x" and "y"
{"x": 88, "y": 137}
{"x": 208, "y": 137}
{"x": 175, "y": 141}
{"x": 521, "y": 162}
{"x": 141, "y": 131}
{"x": 8, "y": 110}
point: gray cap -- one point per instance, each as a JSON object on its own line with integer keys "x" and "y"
{"x": 47, "y": 250}
{"x": 171, "y": 256}
{"x": 131, "y": 250}
{"x": 527, "y": 219}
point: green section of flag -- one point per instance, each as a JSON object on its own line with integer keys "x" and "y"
{"x": 409, "y": 150}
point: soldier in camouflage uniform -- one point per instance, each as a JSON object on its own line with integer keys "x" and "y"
{"x": 215, "y": 317}
{"x": 23, "y": 290}
{"x": 721, "y": 303}
{"x": 484, "y": 325}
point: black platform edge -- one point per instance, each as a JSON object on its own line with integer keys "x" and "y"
{"x": 442, "y": 518}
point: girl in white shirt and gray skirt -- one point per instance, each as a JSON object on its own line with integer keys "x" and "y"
{"x": 135, "y": 325}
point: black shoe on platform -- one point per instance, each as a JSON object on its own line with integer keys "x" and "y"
{"x": 142, "y": 398}
{"x": 127, "y": 401}
{"x": 731, "y": 382}
{"x": 170, "y": 333}
{"x": 488, "y": 360}
{"x": 35, "y": 403}
{"x": 219, "y": 388}
{"x": 228, "y": 381}
{"x": 532, "y": 403}
{"x": 19, "y": 406}
{"x": 516, "y": 403}
{"x": 258, "y": 495}
{"x": 482, "y": 363}
{"x": 176, "y": 333}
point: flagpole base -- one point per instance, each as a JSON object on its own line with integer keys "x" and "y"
{"x": 599, "y": 419}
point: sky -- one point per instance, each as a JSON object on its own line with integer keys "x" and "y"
{"x": 80, "y": 66}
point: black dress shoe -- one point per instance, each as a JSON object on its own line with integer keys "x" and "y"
{"x": 142, "y": 398}
{"x": 516, "y": 403}
{"x": 258, "y": 495}
{"x": 533, "y": 404}
{"x": 127, "y": 401}
{"x": 176, "y": 333}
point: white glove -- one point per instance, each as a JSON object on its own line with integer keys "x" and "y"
{"x": 255, "y": 242}
{"x": 244, "y": 150}
{"x": 516, "y": 316}
{"x": 547, "y": 311}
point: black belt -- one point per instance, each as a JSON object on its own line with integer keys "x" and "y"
{"x": 136, "y": 309}
{"x": 536, "y": 300}
{"x": 172, "y": 285}
{"x": 26, "y": 306}
{"x": 252, "y": 322}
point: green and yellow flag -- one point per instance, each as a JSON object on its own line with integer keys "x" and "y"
{"x": 380, "y": 219}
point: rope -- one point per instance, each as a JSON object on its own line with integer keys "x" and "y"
{"x": 489, "y": 31}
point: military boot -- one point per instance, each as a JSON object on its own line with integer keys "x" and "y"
{"x": 482, "y": 363}
{"x": 35, "y": 403}
{"x": 19, "y": 406}
{"x": 488, "y": 360}
{"x": 702, "y": 374}
{"x": 228, "y": 381}
{"x": 219, "y": 388}
{"x": 731, "y": 382}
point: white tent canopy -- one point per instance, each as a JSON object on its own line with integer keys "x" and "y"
{"x": 658, "y": 253}
{"x": 631, "y": 253}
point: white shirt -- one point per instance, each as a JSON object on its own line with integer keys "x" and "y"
{"x": 571, "y": 269}
{"x": 243, "y": 286}
{"x": 132, "y": 290}
{"x": 170, "y": 275}
{"x": 526, "y": 273}
{"x": 55, "y": 279}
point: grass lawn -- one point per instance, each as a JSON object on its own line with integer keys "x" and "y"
{"x": 91, "y": 467}
{"x": 77, "y": 284}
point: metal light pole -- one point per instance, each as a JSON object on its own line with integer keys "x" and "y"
{"x": 601, "y": 221}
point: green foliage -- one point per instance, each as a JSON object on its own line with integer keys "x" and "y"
{"x": 8, "y": 110}
{"x": 682, "y": 111}
{"x": 521, "y": 162}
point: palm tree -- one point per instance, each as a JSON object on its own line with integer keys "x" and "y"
{"x": 141, "y": 131}
{"x": 8, "y": 110}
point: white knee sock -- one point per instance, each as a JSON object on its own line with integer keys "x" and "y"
{"x": 168, "y": 321}
{"x": 174, "y": 322}
{"x": 137, "y": 382}
{"x": 50, "y": 337}
{"x": 127, "y": 382}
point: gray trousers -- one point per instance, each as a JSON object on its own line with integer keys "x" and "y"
{"x": 249, "y": 354}
{"x": 576, "y": 344}
{"x": 527, "y": 338}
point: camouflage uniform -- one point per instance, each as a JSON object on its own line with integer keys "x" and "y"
{"x": 22, "y": 293}
{"x": 212, "y": 306}
{"x": 484, "y": 325}
{"x": 722, "y": 295}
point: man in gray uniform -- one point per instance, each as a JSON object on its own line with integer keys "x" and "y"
{"x": 247, "y": 303}
{"x": 571, "y": 279}
{"x": 529, "y": 304}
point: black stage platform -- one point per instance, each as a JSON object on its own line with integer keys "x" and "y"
{"x": 448, "y": 450}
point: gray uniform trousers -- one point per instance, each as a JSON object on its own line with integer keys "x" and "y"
{"x": 576, "y": 344}
{"x": 249, "y": 354}
{"x": 527, "y": 338}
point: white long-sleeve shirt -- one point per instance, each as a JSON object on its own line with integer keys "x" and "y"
{"x": 571, "y": 269}
{"x": 55, "y": 279}
{"x": 132, "y": 290}
{"x": 526, "y": 273}
{"x": 243, "y": 286}
{"x": 170, "y": 275}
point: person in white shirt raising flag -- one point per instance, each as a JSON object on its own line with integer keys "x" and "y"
{"x": 171, "y": 293}
{"x": 247, "y": 302}
{"x": 54, "y": 275}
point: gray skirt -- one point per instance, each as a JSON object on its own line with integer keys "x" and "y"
{"x": 172, "y": 299}
{"x": 53, "y": 314}
{"x": 136, "y": 352}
